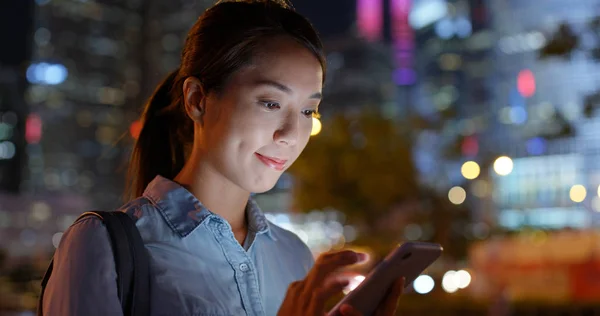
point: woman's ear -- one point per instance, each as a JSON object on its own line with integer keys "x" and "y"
{"x": 194, "y": 99}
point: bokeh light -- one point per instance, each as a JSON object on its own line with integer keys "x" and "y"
{"x": 462, "y": 279}
{"x": 56, "y": 239}
{"x": 470, "y": 170}
{"x": 33, "y": 129}
{"x": 577, "y": 193}
{"x": 526, "y": 83}
{"x": 503, "y": 165}
{"x": 455, "y": 280}
{"x": 316, "y": 127}
{"x": 457, "y": 195}
{"x": 135, "y": 129}
{"x": 470, "y": 146}
{"x": 536, "y": 146}
{"x": 480, "y": 188}
{"x": 448, "y": 283}
{"x": 423, "y": 284}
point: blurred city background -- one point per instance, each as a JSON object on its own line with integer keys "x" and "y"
{"x": 472, "y": 123}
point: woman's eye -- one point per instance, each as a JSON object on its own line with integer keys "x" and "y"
{"x": 270, "y": 105}
{"x": 311, "y": 113}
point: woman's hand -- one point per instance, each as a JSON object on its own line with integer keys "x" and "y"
{"x": 309, "y": 296}
{"x": 387, "y": 306}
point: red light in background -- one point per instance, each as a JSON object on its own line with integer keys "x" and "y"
{"x": 470, "y": 146}
{"x": 369, "y": 15}
{"x": 33, "y": 129}
{"x": 526, "y": 83}
{"x": 135, "y": 129}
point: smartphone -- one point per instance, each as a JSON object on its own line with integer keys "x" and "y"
{"x": 408, "y": 260}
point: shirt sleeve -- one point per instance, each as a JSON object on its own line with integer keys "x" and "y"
{"x": 83, "y": 280}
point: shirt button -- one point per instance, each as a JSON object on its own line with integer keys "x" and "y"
{"x": 244, "y": 267}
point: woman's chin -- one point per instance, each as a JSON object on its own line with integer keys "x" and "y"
{"x": 262, "y": 189}
{"x": 263, "y": 186}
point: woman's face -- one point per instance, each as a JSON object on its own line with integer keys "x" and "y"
{"x": 260, "y": 123}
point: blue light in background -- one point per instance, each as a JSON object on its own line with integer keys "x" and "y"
{"x": 518, "y": 115}
{"x": 536, "y": 146}
{"x": 515, "y": 99}
{"x": 55, "y": 74}
{"x": 424, "y": 161}
{"x": 445, "y": 28}
{"x": 404, "y": 76}
{"x": 44, "y": 73}
{"x": 463, "y": 27}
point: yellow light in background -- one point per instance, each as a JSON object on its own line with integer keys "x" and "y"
{"x": 316, "y": 127}
{"x": 599, "y": 190}
{"x": 577, "y": 193}
{"x": 450, "y": 62}
{"x": 538, "y": 237}
{"x": 480, "y": 188}
{"x": 470, "y": 170}
{"x": 503, "y": 165}
{"x": 457, "y": 195}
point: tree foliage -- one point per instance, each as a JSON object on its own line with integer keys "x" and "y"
{"x": 363, "y": 167}
{"x": 359, "y": 165}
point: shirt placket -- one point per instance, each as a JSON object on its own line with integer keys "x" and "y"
{"x": 245, "y": 271}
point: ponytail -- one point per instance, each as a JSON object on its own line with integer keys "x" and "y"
{"x": 160, "y": 147}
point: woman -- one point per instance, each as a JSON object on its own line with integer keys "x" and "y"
{"x": 229, "y": 121}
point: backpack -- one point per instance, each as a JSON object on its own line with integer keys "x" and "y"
{"x": 131, "y": 263}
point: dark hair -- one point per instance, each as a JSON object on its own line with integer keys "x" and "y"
{"x": 222, "y": 41}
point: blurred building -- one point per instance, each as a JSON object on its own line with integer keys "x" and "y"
{"x": 166, "y": 24}
{"x": 86, "y": 77}
{"x": 94, "y": 65}
{"x": 14, "y": 33}
{"x": 360, "y": 63}
{"x": 358, "y": 77}
{"x": 91, "y": 68}
{"x": 452, "y": 93}
{"x": 538, "y": 115}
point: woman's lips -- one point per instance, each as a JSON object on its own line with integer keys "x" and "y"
{"x": 272, "y": 162}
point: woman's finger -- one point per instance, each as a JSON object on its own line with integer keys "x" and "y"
{"x": 320, "y": 296}
{"x": 327, "y": 264}
{"x": 347, "y": 310}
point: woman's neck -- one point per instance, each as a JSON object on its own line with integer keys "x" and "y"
{"x": 216, "y": 193}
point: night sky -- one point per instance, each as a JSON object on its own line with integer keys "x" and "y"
{"x": 15, "y": 26}
{"x": 330, "y": 17}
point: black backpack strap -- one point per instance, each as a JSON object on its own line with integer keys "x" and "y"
{"x": 131, "y": 263}
{"x": 44, "y": 283}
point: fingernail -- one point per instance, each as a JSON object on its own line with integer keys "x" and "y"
{"x": 361, "y": 257}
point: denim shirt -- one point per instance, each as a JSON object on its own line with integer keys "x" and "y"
{"x": 197, "y": 266}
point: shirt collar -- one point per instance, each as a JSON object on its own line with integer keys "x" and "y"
{"x": 183, "y": 212}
